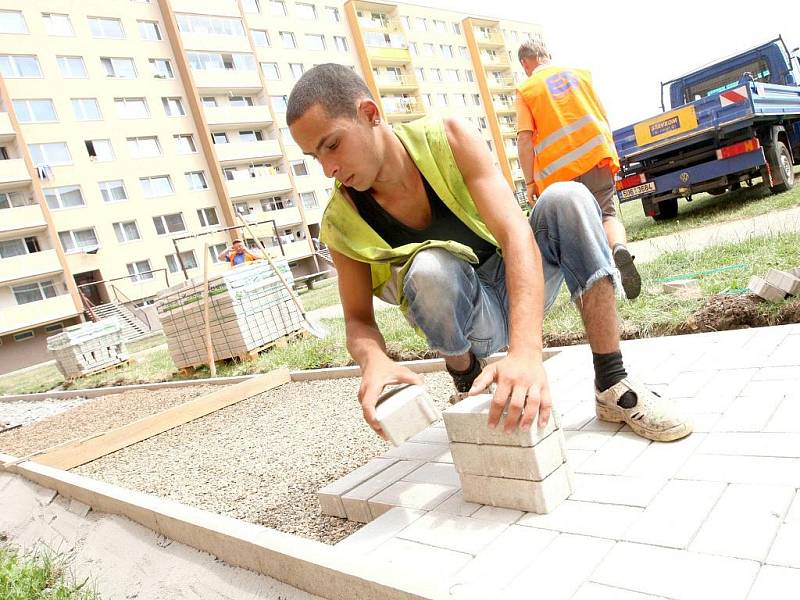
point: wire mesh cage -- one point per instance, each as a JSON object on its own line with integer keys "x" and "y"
{"x": 88, "y": 347}
{"x": 248, "y": 309}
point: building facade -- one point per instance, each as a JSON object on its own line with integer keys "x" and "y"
{"x": 132, "y": 132}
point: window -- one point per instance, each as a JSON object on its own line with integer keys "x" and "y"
{"x": 156, "y": 186}
{"x": 35, "y": 111}
{"x": 208, "y": 25}
{"x": 420, "y": 24}
{"x": 251, "y": 6}
{"x": 173, "y": 107}
{"x": 126, "y": 231}
{"x": 482, "y": 122}
{"x": 187, "y": 258}
{"x": 86, "y": 109}
{"x": 276, "y": 203}
{"x": 463, "y": 51}
{"x": 456, "y": 28}
{"x": 215, "y": 250}
{"x": 161, "y": 68}
{"x": 427, "y": 49}
{"x": 131, "y": 108}
{"x": 461, "y": 99}
{"x": 72, "y": 67}
{"x": 286, "y": 136}
{"x": 260, "y": 38}
{"x": 279, "y": 103}
{"x": 148, "y": 30}
{"x": 12, "y": 21}
{"x": 278, "y": 8}
{"x": 439, "y": 26}
{"x": 297, "y": 70}
{"x": 340, "y": 42}
{"x": 32, "y": 292}
{"x": 196, "y": 180}
{"x": 78, "y": 239}
{"x": 15, "y": 200}
{"x": 57, "y": 24}
{"x": 240, "y": 101}
{"x": 299, "y": 168}
{"x": 476, "y": 99}
{"x": 332, "y": 13}
{"x": 19, "y": 66}
{"x": 184, "y": 144}
{"x": 437, "y": 74}
{"x": 305, "y": 11}
{"x": 412, "y": 48}
{"x": 469, "y": 74}
{"x": 23, "y": 335}
{"x": 54, "y": 327}
{"x": 144, "y": 147}
{"x": 120, "y": 68}
{"x": 315, "y": 41}
{"x": 270, "y": 70}
{"x": 113, "y": 191}
{"x": 19, "y": 247}
{"x": 447, "y": 50}
{"x": 241, "y": 208}
{"x": 172, "y": 223}
{"x": 209, "y": 102}
{"x": 53, "y": 154}
{"x": 251, "y": 136}
{"x": 219, "y": 137}
{"x": 207, "y": 216}
{"x": 441, "y": 99}
{"x": 287, "y": 37}
{"x": 451, "y": 75}
{"x": 103, "y": 27}
{"x": 309, "y": 200}
{"x": 139, "y": 270}
{"x": 100, "y": 150}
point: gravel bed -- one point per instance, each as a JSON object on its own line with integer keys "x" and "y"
{"x": 25, "y": 412}
{"x": 96, "y": 415}
{"x": 262, "y": 459}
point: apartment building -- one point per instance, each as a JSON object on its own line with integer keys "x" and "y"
{"x": 132, "y": 132}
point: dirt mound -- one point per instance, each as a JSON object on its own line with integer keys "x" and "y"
{"x": 722, "y": 312}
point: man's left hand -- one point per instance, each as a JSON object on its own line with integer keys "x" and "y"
{"x": 524, "y": 381}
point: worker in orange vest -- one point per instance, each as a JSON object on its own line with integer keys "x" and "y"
{"x": 563, "y": 135}
{"x": 236, "y": 254}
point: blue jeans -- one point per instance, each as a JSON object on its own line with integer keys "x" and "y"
{"x": 460, "y": 307}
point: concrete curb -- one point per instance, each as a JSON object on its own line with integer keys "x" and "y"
{"x": 308, "y": 565}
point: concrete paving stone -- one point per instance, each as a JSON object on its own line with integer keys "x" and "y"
{"x": 752, "y": 444}
{"x": 418, "y": 451}
{"x": 766, "y": 290}
{"x": 497, "y": 514}
{"x": 596, "y": 591}
{"x": 425, "y": 561}
{"x": 690, "y": 383}
{"x": 441, "y": 473}
{"x": 744, "y": 521}
{"x": 575, "y": 458}
{"x": 793, "y": 516}
{"x": 748, "y": 413}
{"x": 587, "y": 440}
{"x": 617, "y": 455}
{"x": 598, "y": 425}
{"x": 462, "y": 534}
{"x": 616, "y": 489}
{"x": 330, "y": 496}
{"x": 501, "y": 560}
{"x": 785, "y": 550}
{"x": 772, "y": 389}
{"x": 467, "y": 422}
{"x": 787, "y": 416}
{"x": 409, "y": 494}
{"x": 719, "y": 392}
{"x": 16, "y": 499}
{"x": 674, "y": 516}
{"x": 355, "y": 501}
{"x": 405, "y": 413}
{"x": 532, "y": 463}
{"x": 431, "y": 435}
{"x": 586, "y": 518}
{"x": 579, "y": 416}
{"x": 456, "y": 505}
{"x": 561, "y": 569}
{"x": 676, "y": 574}
{"x": 519, "y": 494}
{"x": 742, "y": 469}
{"x": 705, "y": 422}
{"x": 375, "y": 533}
{"x": 79, "y": 508}
{"x": 663, "y": 460}
{"x": 775, "y": 583}
{"x": 778, "y": 373}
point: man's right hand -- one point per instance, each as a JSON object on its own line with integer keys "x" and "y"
{"x": 532, "y": 198}
{"x": 375, "y": 377}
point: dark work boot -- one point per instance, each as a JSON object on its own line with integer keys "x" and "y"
{"x": 463, "y": 379}
{"x": 631, "y": 280}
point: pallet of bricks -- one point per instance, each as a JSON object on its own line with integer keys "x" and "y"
{"x": 88, "y": 347}
{"x": 248, "y": 310}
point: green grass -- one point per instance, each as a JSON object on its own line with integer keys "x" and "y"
{"x": 325, "y": 293}
{"x": 707, "y": 210}
{"x": 38, "y": 575}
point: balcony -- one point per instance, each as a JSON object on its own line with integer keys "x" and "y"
{"x": 7, "y": 132}
{"x": 495, "y": 60}
{"x": 388, "y": 55}
{"x": 80, "y": 262}
{"x": 13, "y": 174}
{"x": 501, "y": 84}
{"x": 508, "y": 129}
{"x": 222, "y": 81}
{"x": 21, "y": 221}
{"x": 25, "y": 316}
{"x": 296, "y": 250}
{"x": 222, "y": 8}
{"x": 237, "y": 116}
{"x": 504, "y": 107}
{"x": 384, "y": 23}
{"x": 511, "y": 150}
{"x": 403, "y": 83}
{"x": 489, "y": 39}
{"x": 29, "y": 266}
{"x": 283, "y": 216}
{"x": 246, "y": 187}
{"x": 402, "y": 109}
{"x": 517, "y": 174}
{"x": 203, "y": 42}
{"x": 247, "y": 151}
{"x": 314, "y": 215}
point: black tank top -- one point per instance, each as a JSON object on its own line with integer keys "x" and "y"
{"x": 444, "y": 224}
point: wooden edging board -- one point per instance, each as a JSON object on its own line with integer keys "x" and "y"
{"x": 80, "y": 451}
{"x": 312, "y": 566}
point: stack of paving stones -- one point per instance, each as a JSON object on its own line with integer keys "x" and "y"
{"x": 249, "y": 308}
{"x": 88, "y": 347}
{"x": 521, "y": 470}
{"x": 777, "y": 285}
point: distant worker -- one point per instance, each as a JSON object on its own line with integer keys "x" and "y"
{"x": 563, "y": 135}
{"x": 236, "y": 254}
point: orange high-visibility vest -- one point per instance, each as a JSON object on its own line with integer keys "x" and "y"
{"x": 247, "y": 258}
{"x": 572, "y": 135}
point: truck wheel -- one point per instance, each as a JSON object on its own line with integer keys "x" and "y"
{"x": 780, "y": 164}
{"x": 668, "y": 209}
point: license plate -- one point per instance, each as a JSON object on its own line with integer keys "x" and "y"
{"x": 638, "y": 190}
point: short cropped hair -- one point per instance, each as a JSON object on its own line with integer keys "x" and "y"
{"x": 534, "y": 49}
{"x": 335, "y": 87}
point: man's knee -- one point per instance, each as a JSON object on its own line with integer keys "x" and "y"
{"x": 434, "y": 270}
{"x": 568, "y": 200}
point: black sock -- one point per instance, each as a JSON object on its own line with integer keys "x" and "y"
{"x": 608, "y": 371}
